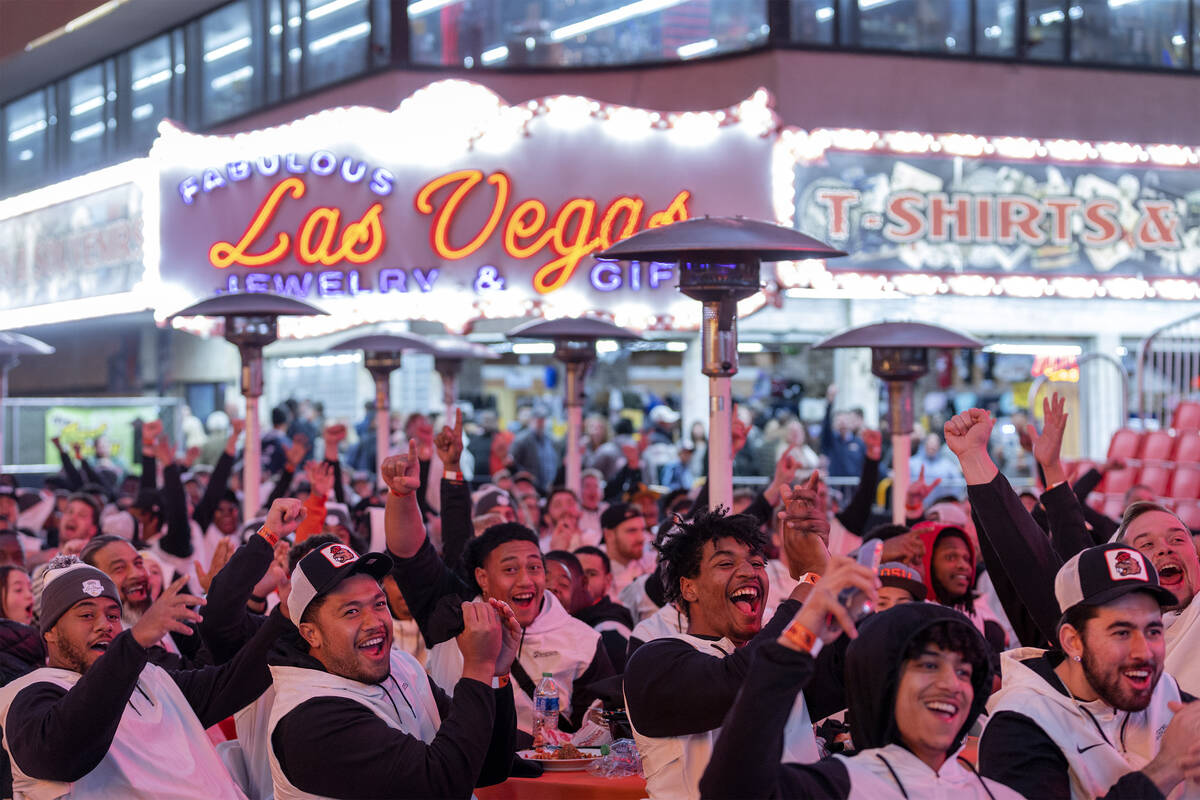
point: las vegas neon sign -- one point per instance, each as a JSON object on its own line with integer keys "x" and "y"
{"x": 527, "y": 228}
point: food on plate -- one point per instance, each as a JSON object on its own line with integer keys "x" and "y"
{"x": 562, "y": 753}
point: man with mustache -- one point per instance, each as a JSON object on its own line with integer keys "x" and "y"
{"x": 100, "y": 721}
{"x": 1027, "y": 559}
{"x": 679, "y": 688}
{"x": 1097, "y": 717}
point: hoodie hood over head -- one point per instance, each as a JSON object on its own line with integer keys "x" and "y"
{"x": 873, "y": 663}
{"x": 930, "y": 534}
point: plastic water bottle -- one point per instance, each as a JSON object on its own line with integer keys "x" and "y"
{"x": 545, "y": 711}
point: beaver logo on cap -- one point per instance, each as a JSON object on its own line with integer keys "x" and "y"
{"x": 339, "y": 555}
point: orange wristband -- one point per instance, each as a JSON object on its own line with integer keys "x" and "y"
{"x": 394, "y": 493}
{"x": 500, "y": 681}
{"x": 801, "y": 637}
{"x": 268, "y": 534}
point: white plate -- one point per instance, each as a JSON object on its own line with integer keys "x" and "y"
{"x": 562, "y": 764}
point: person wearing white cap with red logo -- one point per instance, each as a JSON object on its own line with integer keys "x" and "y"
{"x": 100, "y": 721}
{"x": 1097, "y": 716}
{"x": 353, "y": 717}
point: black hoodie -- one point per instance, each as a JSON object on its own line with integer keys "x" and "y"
{"x": 746, "y": 759}
{"x": 323, "y": 740}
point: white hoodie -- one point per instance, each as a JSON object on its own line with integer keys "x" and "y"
{"x": 1183, "y": 645}
{"x": 871, "y": 778}
{"x": 554, "y": 642}
{"x": 1132, "y": 737}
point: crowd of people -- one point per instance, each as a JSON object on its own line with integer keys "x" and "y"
{"x": 382, "y": 632}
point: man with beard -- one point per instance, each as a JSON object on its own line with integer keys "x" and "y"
{"x": 624, "y": 529}
{"x": 1098, "y": 717}
{"x": 117, "y": 559}
{"x": 1026, "y": 559}
{"x": 353, "y": 717}
{"x": 100, "y": 721}
{"x": 678, "y": 689}
{"x": 503, "y": 563}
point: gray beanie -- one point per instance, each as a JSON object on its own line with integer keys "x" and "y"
{"x": 65, "y": 587}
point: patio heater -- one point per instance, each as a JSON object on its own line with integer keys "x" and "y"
{"x": 251, "y": 324}
{"x": 719, "y": 261}
{"x": 899, "y": 356}
{"x": 382, "y": 353}
{"x": 574, "y": 345}
{"x": 448, "y": 358}
{"x": 12, "y": 347}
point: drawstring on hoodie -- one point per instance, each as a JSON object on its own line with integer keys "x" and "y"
{"x": 520, "y": 644}
{"x": 142, "y": 692}
{"x": 962, "y": 760}
{"x": 402, "y": 694}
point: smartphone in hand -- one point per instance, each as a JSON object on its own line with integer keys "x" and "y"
{"x": 855, "y": 601}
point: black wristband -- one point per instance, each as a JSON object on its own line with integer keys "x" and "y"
{"x": 256, "y": 599}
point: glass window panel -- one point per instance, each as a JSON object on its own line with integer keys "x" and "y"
{"x": 28, "y": 128}
{"x": 151, "y": 74}
{"x": 926, "y": 26}
{"x": 812, "y": 21}
{"x": 227, "y": 78}
{"x": 338, "y": 40}
{"x": 1147, "y": 33}
{"x": 996, "y": 27}
{"x": 90, "y": 105}
{"x": 568, "y": 33}
{"x": 1045, "y": 30}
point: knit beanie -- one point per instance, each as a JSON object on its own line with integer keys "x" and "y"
{"x": 73, "y": 584}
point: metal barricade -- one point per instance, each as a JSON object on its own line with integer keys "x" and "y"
{"x": 1168, "y": 370}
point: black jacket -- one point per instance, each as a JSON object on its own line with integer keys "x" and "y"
{"x": 339, "y": 748}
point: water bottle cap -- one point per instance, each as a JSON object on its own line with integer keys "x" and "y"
{"x": 547, "y": 674}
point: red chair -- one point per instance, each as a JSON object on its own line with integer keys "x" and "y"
{"x": 1124, "y": 444}
{"x": 1156, "y": 447}
{"x": 1118, "y": 481}
{"x": 1186, "y": 416}
{"x": 1187, "y": 448}
{"x": 1156, "y": 478}
{"x": 1189, "y": 514}
{"x": 1186, "y": 483}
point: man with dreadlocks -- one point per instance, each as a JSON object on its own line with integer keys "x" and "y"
{"x": 678, "y": 689}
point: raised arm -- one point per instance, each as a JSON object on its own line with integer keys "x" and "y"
{"x": 74, "y": 480}
{"x": 334, "y": 435}
{"x": 218, "y": 482}
{"x": 456, "y": 499}
{"x": 178, "y": 539}
{"x": 857, "y": 512}
{"x": 1022, "y": 549}
{"x": 1068, "y": 533}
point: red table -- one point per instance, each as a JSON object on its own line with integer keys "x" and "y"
{"x": 566, "y": 786}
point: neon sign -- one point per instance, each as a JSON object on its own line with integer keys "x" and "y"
{"x": 572, "y": 235}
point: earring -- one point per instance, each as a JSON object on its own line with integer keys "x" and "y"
{"x": 1077, "y": 658}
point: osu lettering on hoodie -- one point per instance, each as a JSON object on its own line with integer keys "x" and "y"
{"x": 746, "y": 760}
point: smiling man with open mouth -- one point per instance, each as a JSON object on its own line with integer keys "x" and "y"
{"x": 678, "y": 689}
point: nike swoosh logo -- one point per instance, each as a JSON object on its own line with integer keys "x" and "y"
{"x": 1089, "y": 747}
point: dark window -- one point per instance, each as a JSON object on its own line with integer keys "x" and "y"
{"x": 91, "y": 115}
{"x": 996, "y": 27}
{"x": 812, "y": 21}
{"x": 28, "y": 125}
{"x": 153, "y": 72}
{"x": 227, "y": 63}
{"x": 1045, "y": 27}
{"x": 569, "y": 33}
{"x": 924, "y": 26}
{"x": 1148, "y": 33}
{"x": 337, "y": 36}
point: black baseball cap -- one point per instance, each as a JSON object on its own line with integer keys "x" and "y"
{"x": 617, "y": 513}
{"x": 323, "y": 569}
{"x": 1101, "y": 574}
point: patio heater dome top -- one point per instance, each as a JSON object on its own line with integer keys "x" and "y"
{"x": 18, "y": 344}
{"x": 720, "y": 238}
{"x": 898, "y": 335}
{"x": 579, "y": 329}
{"x": 461, "y": 349}
{"x": 250, "y": 304}
{"x": 387, "y": 343}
